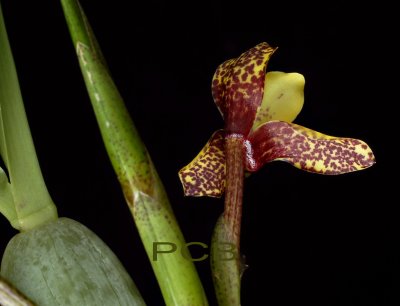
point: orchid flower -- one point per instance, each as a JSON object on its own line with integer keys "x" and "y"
{"x": 258, "y": 108}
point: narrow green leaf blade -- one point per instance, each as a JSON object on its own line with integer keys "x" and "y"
{"x": 32, "y": 201}
{"x": 7, "y": 207}
{"x": 143, "y": 190}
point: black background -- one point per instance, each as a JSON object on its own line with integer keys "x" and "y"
{"x": 307, "y": 238}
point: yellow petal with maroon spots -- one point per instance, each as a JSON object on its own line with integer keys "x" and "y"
{"x": 283, "y": 98}
{"x": 205, "y": 175}
{"x": 306, "y": 149}
{"x": 238, "y": 86}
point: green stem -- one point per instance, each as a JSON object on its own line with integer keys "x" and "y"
{"x": 26, "y": 202}
{"x": 143, "y": 190}
{"x": 225, "y": 245}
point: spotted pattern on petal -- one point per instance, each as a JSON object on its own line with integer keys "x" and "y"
{"x": 222, "y": 77}
{"x": 238, "y": 87}
{"x": 205, "y": 175}
{"x": 306, "y": 149}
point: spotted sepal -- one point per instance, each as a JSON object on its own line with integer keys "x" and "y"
{"x": 306, "y": 149}
{"x": 205, "y": 175}
{"x": 238, "y": 86}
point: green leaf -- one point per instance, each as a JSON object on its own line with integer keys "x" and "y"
{"x": 6, "y": 199}
{"x": 143, "y": 190}
{"x": 32, "y": 202}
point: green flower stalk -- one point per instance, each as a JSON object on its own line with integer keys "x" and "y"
{"x": 53, "y": 261}
{"x": 142, "y": 188}
{"x": 258, "y": 109}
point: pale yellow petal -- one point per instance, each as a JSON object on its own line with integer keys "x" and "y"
{"x": 283, "y": 97}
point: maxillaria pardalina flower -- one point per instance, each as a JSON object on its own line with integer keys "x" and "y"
{"x": 258, "y": 109}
